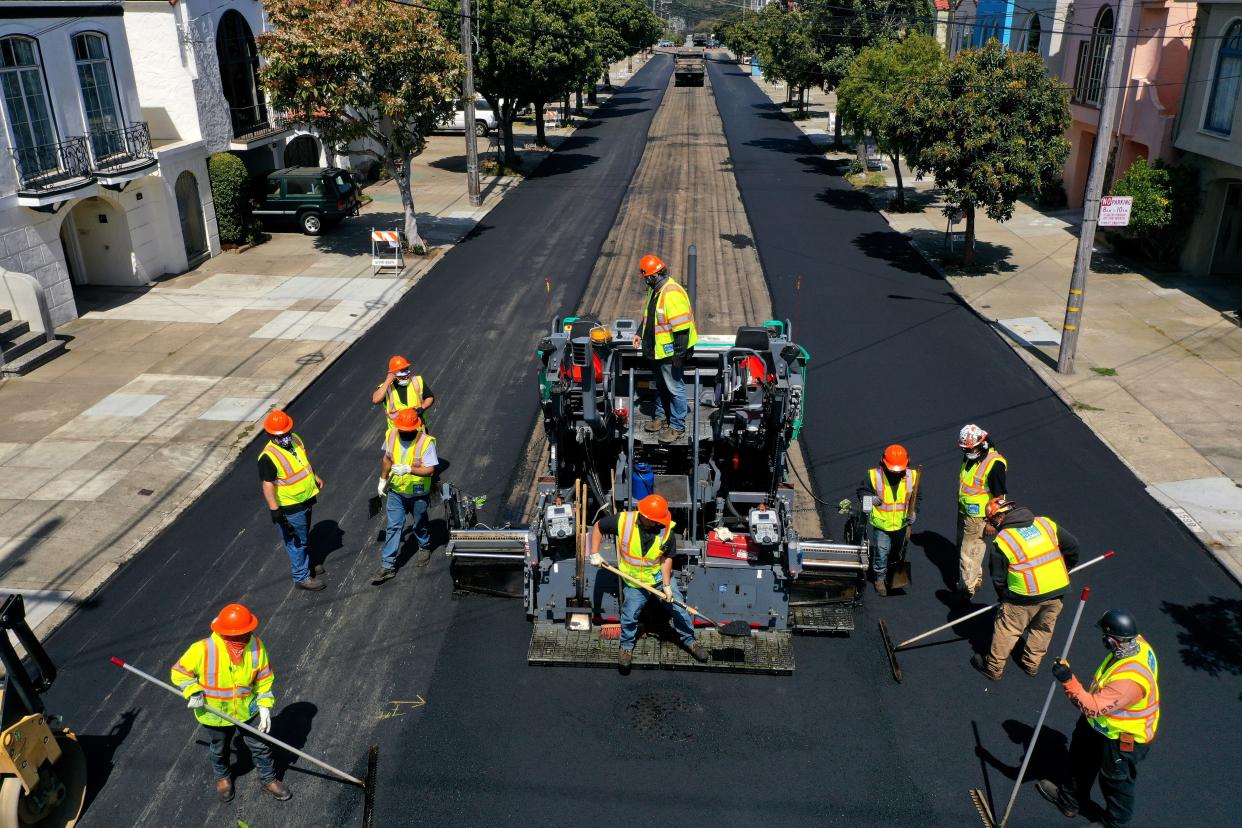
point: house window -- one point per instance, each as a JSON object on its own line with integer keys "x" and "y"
{"x": 25, "y": 101}
{"x": 239, "y": 67}
{"x": 1093, "y": 60}
{"x": 103, "y": 115}
{"x": 1226, "y": 82}
{"x": 1033, "y": 32}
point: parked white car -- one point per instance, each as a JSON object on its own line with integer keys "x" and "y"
{"x": 484, "y": 119}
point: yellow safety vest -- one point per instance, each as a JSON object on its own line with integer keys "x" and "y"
{"x": 1142, "y": 718}
{"x": 408, "y": 454}
{"x": 672, "y": 313}
{"x": 295, "y": 479}
{"x": 640, "y": 566}
{"x": 889, "y": 512}
{"x": 973, "y": 493}
{"x": 236, "y": 689}
{"x": 413, "y": 399}
{"x": 1036, "y": 566}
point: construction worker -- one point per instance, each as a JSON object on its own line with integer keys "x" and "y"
{"x": 290, "y": 487}
{"x": 408, "y": 464}
{"x": 667, "y": 338}
{"x": 1120, "y": 716}
{"x": 402, "y": 389}
{"x": 981, "y": 478}
{"x": 890, "y": 485}
{"x": 645, "y": 549}
{"x": 229, "y": 671}
{"x": 1029, "y": 562}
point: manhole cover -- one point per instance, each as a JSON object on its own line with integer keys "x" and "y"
{"x": 664, "y": 715}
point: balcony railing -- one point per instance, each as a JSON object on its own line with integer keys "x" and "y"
{"x": 251, "y": 123}
{"x": 115, "y": 150}
{"x": 49, "y": 166}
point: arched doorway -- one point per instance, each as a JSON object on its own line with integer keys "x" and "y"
{"x": 99, "y": 240}
{"x": 302, "y": 151}
{"x": 190, "y": 209}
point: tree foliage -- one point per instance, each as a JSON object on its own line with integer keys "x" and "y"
{"x": 372, "y": 77}
{"x": 229, "y": 185}
{"x": 625, "y": 27}
{"x": 1165, "y": 202}
{"x": 989, "y": 126}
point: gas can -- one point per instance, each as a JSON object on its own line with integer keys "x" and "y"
{"x": 644, "y": 481}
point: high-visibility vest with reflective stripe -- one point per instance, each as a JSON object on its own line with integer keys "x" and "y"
{"x": 889, "y": 511}
{"x": 973, "y": 493}
{"x": 408, "y": 454}
{"x": 1036, "y": 566}
{"x": 295, "y": 479}
{"x": 393, "y": 404}
{"x": 637, "y": 564}
{"x": 236, "y": 689}
{"x": 1142, "y": 718}
{"x": 672, "y": 314}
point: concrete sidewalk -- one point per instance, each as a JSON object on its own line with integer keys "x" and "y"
{"x": 161, "y": 387}
{"x": 1159, "y": 364}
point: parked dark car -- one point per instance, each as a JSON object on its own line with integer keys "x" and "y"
{"x": 312, "y": 198}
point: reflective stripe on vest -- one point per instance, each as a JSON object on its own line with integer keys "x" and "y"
{"x": 666, "y": 326}
{"x": 233, "y": 693}
{"x": 295, "y": 478}
{"x": 638, "y": 564}
{"x": 410, "y": 454}
{"x": 1141, "y": 719}
{"x": 888, "y": 513}
{"x": 413, "y": 398}
{"x": 973, "y": 493}
{"x": 1036, "y": 566}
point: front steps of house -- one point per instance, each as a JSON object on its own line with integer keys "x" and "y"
{"x": 24, "y": 350}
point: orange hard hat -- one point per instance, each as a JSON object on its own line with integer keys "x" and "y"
{"x": 895, "y": 458}
{"x": 235, "y": 620}
{"x": 398, "y": 363}
{"x": 277, "y": 423}
{"x": 407, "y": 419}
{"x": 650, "y": 265}
{"x": 998, "y": 506}
{"x": 655, "y": 507}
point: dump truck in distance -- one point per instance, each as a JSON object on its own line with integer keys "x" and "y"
{"x": 688, "y": 68}
{"x": 699, "y": 39}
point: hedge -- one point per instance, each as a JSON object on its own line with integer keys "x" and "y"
{"x": 230, "y": 184}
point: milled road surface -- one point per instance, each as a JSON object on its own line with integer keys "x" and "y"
{"x": 894, "y": 357}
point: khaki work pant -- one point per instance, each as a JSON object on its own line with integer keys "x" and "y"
{"x": 1014, "y": 619}
{"x": 971, "y": 548}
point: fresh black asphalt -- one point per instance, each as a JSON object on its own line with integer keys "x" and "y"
{"x": 895, "y": 356}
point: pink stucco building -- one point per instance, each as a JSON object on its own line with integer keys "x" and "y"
{"x": 1154, "y": 77}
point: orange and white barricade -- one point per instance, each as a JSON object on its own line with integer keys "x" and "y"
{"x": 386, "y": 250}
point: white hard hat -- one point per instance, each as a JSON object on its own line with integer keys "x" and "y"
{"x": 970, "y": 436}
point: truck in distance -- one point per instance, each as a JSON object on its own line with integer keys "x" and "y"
{"x": 688, "y": 68}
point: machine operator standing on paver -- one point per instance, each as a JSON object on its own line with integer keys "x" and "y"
{"x": 290, "y": 487}
{"x": 229, "y": 671}
{"x": 406, "y": 470}
{"x": 890, "y": 485}
{"x": 402, "y": 389}
{"x": 667, "y": 337}
{"x": 1029, "y": 562}
{"x": 981, "y": 478}
{"x": 1120, "y": 716}
{"x": 645, "y": 549}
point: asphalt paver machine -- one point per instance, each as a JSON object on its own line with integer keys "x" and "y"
{"x": 739, "y": 557}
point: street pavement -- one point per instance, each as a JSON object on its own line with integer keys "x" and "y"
{"x": 470, "y": 734}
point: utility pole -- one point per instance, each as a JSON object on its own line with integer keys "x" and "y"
{"x": 467, "y": 96}
{"x": 1095, "y": 188}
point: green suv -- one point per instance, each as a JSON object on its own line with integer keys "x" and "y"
{"x": 311, "y": 197}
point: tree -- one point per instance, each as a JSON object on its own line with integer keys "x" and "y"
{"x": 1165, "y": 202}
{"x": 373, "y": 78}
{"x": 787, "y": 50}
{"x": 989, "y": 127}
{"x": 625, "y": 27}
{"x": 870, "y": 96}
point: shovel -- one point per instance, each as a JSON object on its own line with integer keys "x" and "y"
{"x": 733, "y": 629}
{"x": 899, "y": 570}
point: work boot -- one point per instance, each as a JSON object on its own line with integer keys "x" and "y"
{"x": 668, "y": 435}
{"x": 313, "y": 584}
{"x": 385, "y": 574}
{"x": 881, "y": 587}
{"x": 224, "y": 789}
{"x": 698, "y": 651}
{"x": 277, "y": 789}
{"x": 1029, "y": 670}
{"x": 423, "y": 557}
{"x": 624, "y": 658}
{"x": 654, "y": 425}
{"x": 1051, "y": 791}
{"x": 317, "y": 569}
{"x": 980, "y": 663}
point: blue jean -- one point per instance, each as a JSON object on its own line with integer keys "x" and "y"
{"x": 636, "y": 599}
{"x": 295, "y": 535}
{"x": 220, "y": 739}
{"x": 671, "y": 394}
{"x": 398, "y": 506}
{"x": 882, "y": 544}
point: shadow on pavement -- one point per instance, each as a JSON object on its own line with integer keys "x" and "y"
{"x": 1051, "y": 754}
{"x": 1211, "y": 640}
{"x": 740, "y": 241}
{"x": 291, "y": 725}
{"x": 845, "y": 199}
{"x": 99, "y": 751}
{"x": 790, "y": 146}
{"x": 894, "y": 248}
{"x": 325, "y": 537}
{"x": 941, "y": 552}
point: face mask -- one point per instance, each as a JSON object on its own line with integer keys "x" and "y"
{"x": 651, "y": 281}
{"x": 974, "y": 453}
{"x": 408, "y": 436}
{"x": 403, "y": 379}
{"x": 283, "y": 440}
{"x": 649, "y": 526}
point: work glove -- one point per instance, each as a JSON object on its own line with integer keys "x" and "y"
{"x": 913, "y": 518}
{"x": 382, "y": 487}
{"x": 723, "y": 534}
{"x": 597, "y": 559}
{"x": 265, "y": 720}
{"x": 278, "y": 518}
{"x": 402, "y": 468}
{"x": 196, "y": 701}
{"x": 668, "y": 593}
{"x": 1061, "y": 671}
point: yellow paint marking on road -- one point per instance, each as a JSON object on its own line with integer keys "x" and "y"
{"x": 398, "y": 707}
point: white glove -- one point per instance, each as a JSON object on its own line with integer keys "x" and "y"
{"x": 196, "y": 701}
{"x": 401, "y": 468}
{"x": 597, "y": 559}
{"x": 265, "y": 720}
{"x": 723, "y": 534}
{"x": 668, "y": 594}
{"x": 382, "y": 488}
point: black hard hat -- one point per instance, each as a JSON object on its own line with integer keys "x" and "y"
{"x": 1119, "y": 624}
